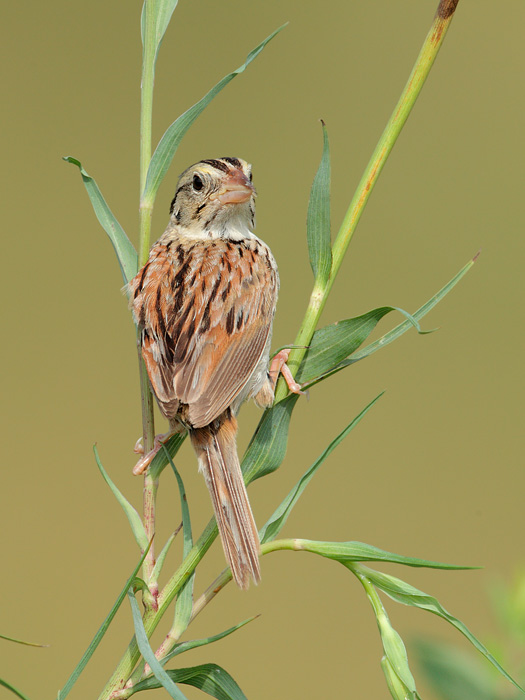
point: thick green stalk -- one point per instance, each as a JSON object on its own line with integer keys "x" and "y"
{"x": 388, "y": 138}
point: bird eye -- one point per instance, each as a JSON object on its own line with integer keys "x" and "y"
{"x": 197, "y": 183}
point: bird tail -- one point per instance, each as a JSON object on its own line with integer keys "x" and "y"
{"x": 216, "y": 448}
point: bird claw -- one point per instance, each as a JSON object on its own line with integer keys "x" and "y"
{"x": 279, "y": 365}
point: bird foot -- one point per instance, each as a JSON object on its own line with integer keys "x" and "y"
{"x": 279, "y": 366}
{"x": 146, "y": 459}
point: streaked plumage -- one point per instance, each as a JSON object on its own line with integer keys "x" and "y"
{"x": 204, "y": 303}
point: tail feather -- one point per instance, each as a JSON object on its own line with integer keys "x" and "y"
{"x": 216, "y": 449}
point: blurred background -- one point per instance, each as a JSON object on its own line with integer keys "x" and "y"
{"x": 435, "y": 470}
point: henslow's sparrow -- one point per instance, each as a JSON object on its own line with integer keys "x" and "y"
{"x": 204, "y": 304}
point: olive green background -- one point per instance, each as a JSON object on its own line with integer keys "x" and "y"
{"x": 435, "y": 470}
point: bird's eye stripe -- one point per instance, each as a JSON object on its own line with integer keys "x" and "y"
{"x": 233, "y": 161}
{"x": 217, "y": 164}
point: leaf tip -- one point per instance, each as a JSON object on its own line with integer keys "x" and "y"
{"x": 474, "y": 259}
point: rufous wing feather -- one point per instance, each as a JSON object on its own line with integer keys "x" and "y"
{"x": 216, "y": 450}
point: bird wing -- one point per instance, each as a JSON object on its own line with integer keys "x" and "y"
{"x": 205, "y": 310}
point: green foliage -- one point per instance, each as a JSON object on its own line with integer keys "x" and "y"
{"x": 62, "y": 694}
{"x": 209, "y": 678}
{"x": 126, "y": 253}
{"x": 169, "y": 143}
{"x": 318, "y": 353}
{"x": 318, "y": 218}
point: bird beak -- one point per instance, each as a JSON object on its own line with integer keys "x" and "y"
{"x": 236, "y": 189}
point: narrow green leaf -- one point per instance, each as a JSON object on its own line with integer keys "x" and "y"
{"x": 126, "y": 253}
{"x": 318, "y": 218}
{"x": 21, "y": 641}
{"x": 160, "y": 461}
{"x": 147, "y": 652}
{"x": 275, "y": 523}
{"x": 162, "y": 557}
{"x": 267, "y": 447}
{"x": 101, "y": 632}
{"x": 454, "y": 673}
{"x": 194, "y": 643}
{"x": 14, "y": 690}
{"x": 169, "y": 143}
{"x": 348, "y": 552}
{"x": 209, "y": 678}
{"x": 133, "y": 517}
{"x": 403, "y": 592}
{"x": 184, "y": 603}
{"x": 331, "y": 345}
{"x": 418, "y": 315}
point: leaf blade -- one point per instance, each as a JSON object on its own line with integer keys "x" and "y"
{"x": 133, "y": 517}
{"x": 195, "y": 643}
{"x": 100, "y": 632}
{"x": 405, "y": 593}
{"x": 210, "y": 678}
{"x": 172, "y": 137}
{"x": 126, "y": 253}
{"x": 149, "y": 655}
{"x": 184, "y": 603}
{"x": 318, "y": 233}
{"x": 267, "y": 448}
{"x": 276, "y": 521}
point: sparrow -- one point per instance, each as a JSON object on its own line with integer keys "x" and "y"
{"x": 204, "y": 304}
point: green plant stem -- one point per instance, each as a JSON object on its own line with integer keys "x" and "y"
{"x": 153, "y": 617}
{"x": 318, "y": 299}
{"x": 145, "y": 214}
{"x": 421, "y": 69}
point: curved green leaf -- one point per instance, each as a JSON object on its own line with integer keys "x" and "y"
{"x": 126, "y": 253}
{"x": 169, "y": 143}
{"x": 403, "y": 592}
{"x": 21, "y": 641}
{"x": 194, "y": 643}
{"x": 267, "y": 447}
{"x": 318, "y": 218}
{"x": 15, "y": 691}
{"x": 184, "y": 603}
{"x": 333, "y": 344}
{"x": 275, "y": 523}
{"x": 62, "y": 694}
{"x": 133, "y": 517}
{"x": 147, "y": 652}
{"x": 347, "y": 552}
{"x": 209, "y": 678}
{"x": 160, "y": 461}
{"x": 405, "y": 326}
